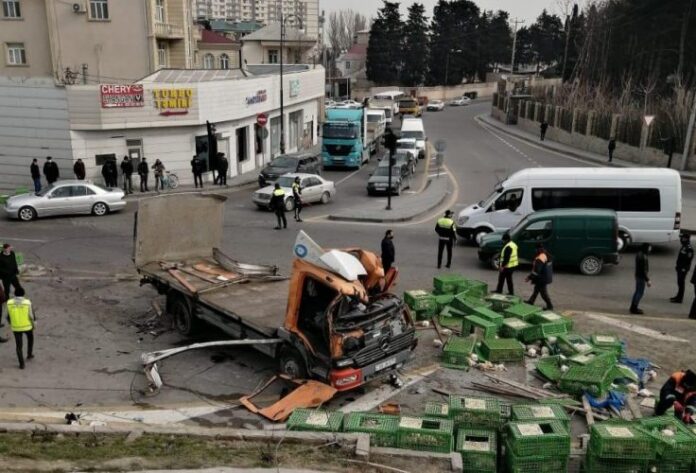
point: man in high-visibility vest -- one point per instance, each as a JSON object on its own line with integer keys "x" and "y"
{"x": 278, "y": 205}
{"x": 679, "y": 391}
{"x": 21, "y": 317}
{"x": 508, "y": 263}
{"x": 446, "y": 232}
{"x": 297, "y": 198}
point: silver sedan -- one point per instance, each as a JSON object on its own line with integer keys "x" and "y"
{"x": 65, "y": 198}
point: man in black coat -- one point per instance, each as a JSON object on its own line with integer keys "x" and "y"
{"x": 277, "y": 204}
{"x": 642, "y": 277}
{"x": 127, "y": 171}
{"x": 50, "y": 170}
{"x": 388, "y": 252}
{"x": 686, "y": 255}
{"x": 113, "y": 166}
{"x": 35, "y": 175}
{"x": 106, "y": 173}
{"x": 9, "y": 271}
{"x": 197, "y": 170}
{"x": 143, "y": 171}
{"x": 223, "y": 166}
{"x": 79, "y": 170}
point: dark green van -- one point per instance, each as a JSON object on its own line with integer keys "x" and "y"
{"x": 585, "y": 238}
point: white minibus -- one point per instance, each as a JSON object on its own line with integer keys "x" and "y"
{"x": 413, "y": 128}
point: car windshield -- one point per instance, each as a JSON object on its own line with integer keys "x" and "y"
{"x": 407, "y": 144}
{"x": 407, "y": 103}
{"x": 435, "y": 102}
{"x": 284, "y": 162}
{"x": 335, "y": 130}
{"x": 488, "y": 200}
{"x": 520, "y": 225}
{"x": 412, "y": 134}
{"x": 373, "y": 118}
{"x": 285, "y": 181}
{"x": 383, "y": 171}
{"x": 46, "y": 190}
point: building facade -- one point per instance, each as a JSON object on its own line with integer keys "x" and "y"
{"x": 264, "y": 46}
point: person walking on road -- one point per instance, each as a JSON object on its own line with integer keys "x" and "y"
{"x": 143, "y": 171}
{"x": 197, "y": 170}
{"x": 278, "y": 206}
{"x": 611, "y": 147}
{"x": 388, "y": 252}
{"x": 159, "y": 174}
{"x": 541, "y": 276}
{"x": 642, "y": 278}
{"x": 223, "y": 166}
{"x": 684, "y": 258}
{"x": 79, "y": 170}
{"x": 508, "y": 262}
{"x": 542, "y": 128}
{"x": 22, "y": 321}
{"x": 50, "y": 170}
{"x": 9, "y": 271}
{"x": 35, "y": 175}
{"x": 297, "y": 198}
{"x": 127, "y": 171}
{"x": 446, "y": 232}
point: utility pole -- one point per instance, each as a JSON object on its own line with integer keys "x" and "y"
{"x": 514, "y": 45}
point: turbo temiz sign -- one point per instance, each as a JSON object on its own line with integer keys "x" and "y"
{"x": 121, "y": 96}
{"x": 172, "y": 101}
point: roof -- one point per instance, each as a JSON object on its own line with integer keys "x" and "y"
{"x": 188, "y": 76}
{"x": 577, "y": 212}
{"x": 237, "y": 27}
{"x": 211, "y": 37}
{"x": 603, "y": 173}
{"x": 271, "y": 32}
{"x": 344, "y": 114}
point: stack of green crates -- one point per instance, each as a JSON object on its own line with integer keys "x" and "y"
{"x": 315, "y": 419}
{"x": 541, "y": 413}
{"x": 474, "y": 288}
{"x": 522, "y": 311}
{"x": 436, "y": 409}
{"x": 475, "y": 412}
{"x": 451, "y": 318}
{"x": 475, "y": 325}
{"x": 593, "y": 378}
{"x": 425, "y": 434}
{"x": 382, "y": 428}
{"x": 550, "y": 367}
{"x": 544, "y": 331}
{"x": 676, "y": 452}
{"x": 490, "y": 315}
{"x": 421, "y": 302}
{"x": 501, "y": 302}
{"x": 448, "y": 283}
{"x": 456, "y": 352}
{"x": 467, "y": 304}
{"x": 619, "y": 447}
{"x": 513, "y": 327}
{"x": 479, "y": 450}
{"x": 443, "y": 300}
{"x": 497, "y": 350}
{"x": 534, "y": 447}
{"x": 547, "y": 316}
{"x": 607, "y": 343}
{"x": 574, "y": 344}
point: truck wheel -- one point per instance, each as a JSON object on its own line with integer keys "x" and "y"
{"x": 591, "y": 265}
{"x": 291, "y": 363}
{"x": 184, "y": 321}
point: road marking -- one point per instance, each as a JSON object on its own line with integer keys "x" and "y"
{"x": 347, "y": 177}
{"x": 3, "y": 238}
{"x": 648, "y": 332}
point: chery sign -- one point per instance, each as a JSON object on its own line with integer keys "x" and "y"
{"x": 121, "y": 96}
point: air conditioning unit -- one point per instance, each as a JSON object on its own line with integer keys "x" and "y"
{"x": 79, "y": 7}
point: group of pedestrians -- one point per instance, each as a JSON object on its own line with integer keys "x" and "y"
{"x": 220, "y": 168}
{"x": 50, "y": 171}
{"x": 20, "y": 314}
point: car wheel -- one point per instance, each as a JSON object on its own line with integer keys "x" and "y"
{"x": 289, "y": 205}
{"x": 100, "y": 209}
{"x": 591, "y": 265}
{"x": 479, "y": 233}
{"x": 624, "y": 241}
{"x": 325, "y": 198}
{"x": 26, "y": 214}
{"x": 291, "y": 363}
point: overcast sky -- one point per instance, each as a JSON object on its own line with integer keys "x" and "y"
{"x": 526, "y": 10}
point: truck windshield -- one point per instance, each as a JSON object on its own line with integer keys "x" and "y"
{"x": 372, "y": 118}
{"x": 407, "y": 103}
{"x": 345, "y": 130}
{"x": 412, "y": 134}
{"x": 406, "y": 144}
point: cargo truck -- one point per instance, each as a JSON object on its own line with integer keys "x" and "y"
{"x": 346, "y": 140}
{"x": 332, "y": 319}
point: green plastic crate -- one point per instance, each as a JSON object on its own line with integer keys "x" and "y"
{"x": 548, "y": 316}
{"x": 546, "y": 438}
{"x": 600, "y": 359}
{"x": 449, "y": 320}
{"x": 443, "y": 300}
{"x": 550, "y": 367}
{"x": 678, "y": 447}
{"x": 539, "y": 413}
{"x": 315, "y": 419}
{"x": 544, "y": 331}
{"x": 436, "y": 409}
{"x": 607, "y": 342}
{"x": 513, "y": 327}
{"x": 621, "y": 441}
{"x": 497, "y": 350}
{"x": 594, "y": 464}
{"x": 671, "y": 467}
{"x": 475, "y": 412}
{"x": 447, "y": 283}
{"x": 425, "y": 434}
{"x": 489, "y": 315}
{"x": 574, "y": 344}
{"x": 382, "y": 428}
{"x": 534, "y": 463}
{"x": 473, "y": 324}
{"x": 479, "y": 450}
{"x": 591, "y": 378}
{"x": 468, "y": 304}
{"x": 419, "y": 300}
{"x": 522, "y": 311}
{"x": 474, "y": 288}
{"x": 457, "y": 350}
{"x": 500, "y": 302}
{"x": 427, "y": 313}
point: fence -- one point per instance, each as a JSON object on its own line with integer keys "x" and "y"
{"x": 567, "y": 120}
{"x": 601, "y": 125}
{"x": 581, "y": 122}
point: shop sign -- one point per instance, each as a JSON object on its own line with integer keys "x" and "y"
{"x": 121, "y": 96}
{"x": 258, "y": 97}
{"x": 172, "y": 101}
{"x": 294, "y": 87}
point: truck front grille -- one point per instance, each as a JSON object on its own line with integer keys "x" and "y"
{"x": 339, "y": 150}
{"x": 379, "y": 351}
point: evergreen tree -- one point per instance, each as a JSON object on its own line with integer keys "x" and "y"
{"x": 384, "y": 49}
{"x": 415, "y": 51}
{"x": 546, "y": 40}
{"x": 454, "y": 52}
{"x": 495, "y": 41}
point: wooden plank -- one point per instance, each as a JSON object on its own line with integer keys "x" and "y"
{"x": 199, "y": 275}
{"x": 182, "y": 280}
{"x": 589, "y": 415}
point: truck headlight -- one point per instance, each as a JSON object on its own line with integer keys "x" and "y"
{"x": 345, "y": 362}
{"x": 462, "y": 220}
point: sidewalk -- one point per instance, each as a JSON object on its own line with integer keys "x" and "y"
{"x": 233, "y": 184}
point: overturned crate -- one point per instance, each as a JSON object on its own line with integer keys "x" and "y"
{"x": 382, "y": 428}
{"x": 497, "y": 350}
{"x": 500, "y": 302}
{"x": 547, "y": 316}
{"x": 522, "y": 311}
{"x": 593, "y": 378}
{"x": 541, "y": 413}
{"x": 419, "y": 300}
{"x": 448, "y": 283}
{"x": 481, "y": 328}
{"x": 544, "y": 331}
{"x": 513, "y": 327}
{"x": 468, "y": 304}
{"x": 489, "y": 315}
{"x": 479, "y": 449}
{"x": 474, "y": 288}
{"x": 475, "y": 412}
{"x": 574, "y": 344}
{"x": 550, "y": 367}
{"x": 315, "y": 419}
{"x": 425, "y": 434}
{"x": 610, "y": 343}
{"x": 457, "y": 350}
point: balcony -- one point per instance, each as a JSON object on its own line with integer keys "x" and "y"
{"x": 168, "y": 31}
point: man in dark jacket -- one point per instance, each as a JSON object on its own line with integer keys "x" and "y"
{"x": 542, "y": 128}
{"x": 642, "y": 278}
{"x": 540, "y": 276}
{"x": 278, "y": 206}
{"x": 51, "y": 171}
{"x": 143, "y": 171}
{"x": 9, "y": 271}
{"x": 35, "y": 175}
{"x": 388, "y": 252}
{"x": 611, "y": 147}
{"x": 113, "y": 165}
{"x": 79, "y": 170}
{"x": 127, "y": 171}
{"x": 223, "y": 166}
{"x": 197, "y": 170}
{"x": 686, "y": 255}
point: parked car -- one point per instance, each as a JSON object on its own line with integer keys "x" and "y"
{"x": 435, "y": 106}
{"x": 585, "y": 238}
{"x": 423, "y": 100}
{"x": 379, "y": 180}
{"x": 66, "y": 198}
{"x": 409, "y": 145}
{"x": 461, "y": 101}
{"x": 297, "y": 162}
{"x": 348, "y": 104}
{"x": 314, "y": 189}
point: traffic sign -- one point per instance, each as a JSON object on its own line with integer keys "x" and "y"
{"x": 649, "y": 119}
{"x": 262, "y": 119}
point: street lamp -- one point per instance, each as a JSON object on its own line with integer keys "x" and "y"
{"x": 447, "y": 62}
{"x": 283, "y": 19}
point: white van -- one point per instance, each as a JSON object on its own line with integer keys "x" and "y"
{"x": 413, "y": 128}
{"x": 393, "y": 95}
{"x": 376, "y": 122}
{"x": 647, "y": 201}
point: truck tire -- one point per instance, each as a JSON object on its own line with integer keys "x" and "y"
{"x": 182, "y": 316}
{"x": 291, "y": 363}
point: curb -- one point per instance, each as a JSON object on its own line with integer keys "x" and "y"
{"x": 213, "y": 189}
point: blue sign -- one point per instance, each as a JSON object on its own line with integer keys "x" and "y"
{"x": 300, "y": 250}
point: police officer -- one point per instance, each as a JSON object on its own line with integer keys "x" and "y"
{"x": 21, "y": 318}
{"x": 508, "y": 263}
{"x": 686, "y": 255}
{"x": 278, "y": 205}
{"x": 446, "y": 231}
{"x": 297, "y": 198}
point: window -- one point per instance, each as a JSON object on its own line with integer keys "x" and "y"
{"x": 537, "y": 231}
{"x": 10, "y": 9}
{"x": 510, "y": 200}
{"x": 162, "y": 54}
{"x": 242, "y": 144}
{"x": 100, "y": 159}
{"x": 626, "y": 200}
{"x": 294, "y": 119}
{"x": 347, "y": 65}
{"x": 16, "y": 55}
{"x": 273, "y": 57}
{"x": 202, "y": 150}
{"x": 61, "y": 192}
{"x": 99, "y": 9}
{"x": 159, "y": 11}
{"x": 208, "y": 61}
{"x": 78, "y": 191}
{"x": 224, "y": 61}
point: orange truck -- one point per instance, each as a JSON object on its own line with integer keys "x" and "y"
{"x": 333, "y": 319}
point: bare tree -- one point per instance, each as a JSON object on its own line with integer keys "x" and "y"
{"x": 342, "y": 27}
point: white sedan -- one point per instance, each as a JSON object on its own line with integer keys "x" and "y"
{"x": 314, "y": 189}
{"x": 436, "y": 106}
{"x": 460, "y": 102}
